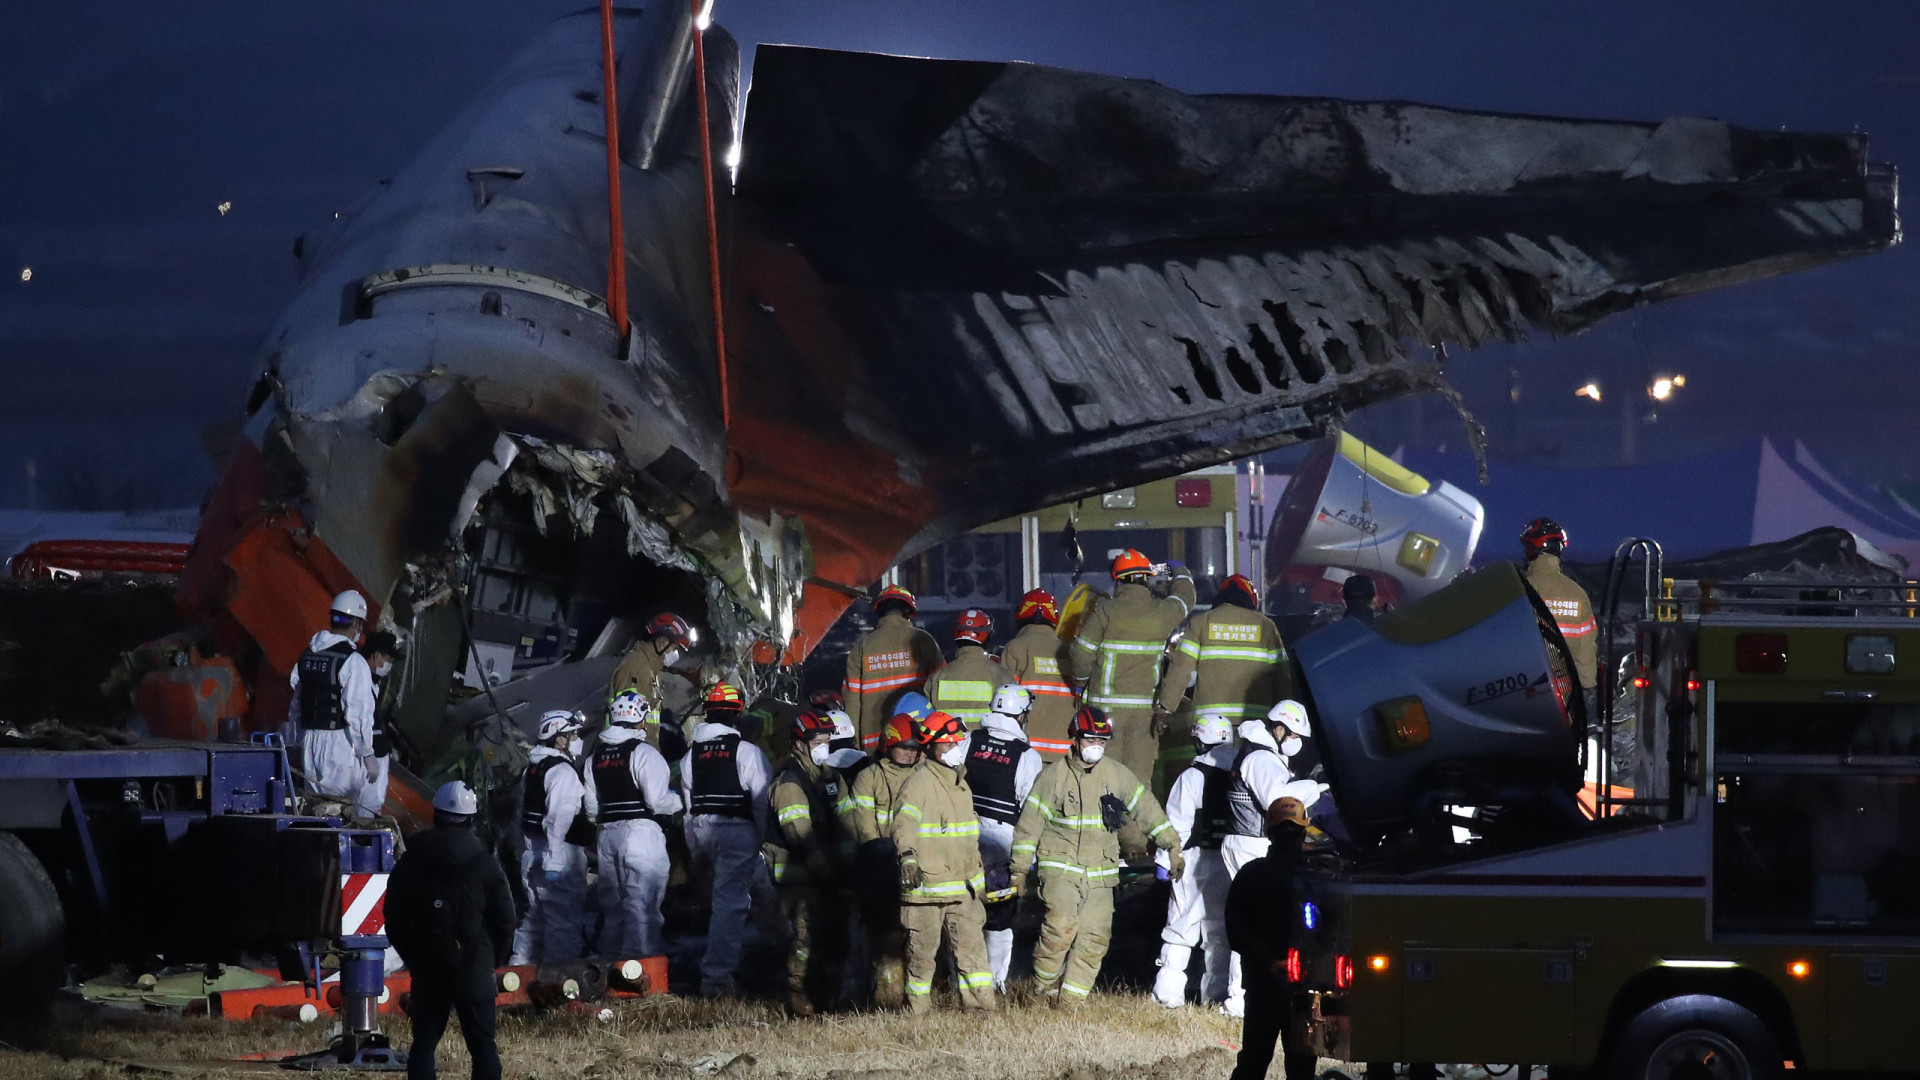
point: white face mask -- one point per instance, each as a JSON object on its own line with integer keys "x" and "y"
{"x": 385, "y": 669}
{"x": 670, "y": 658}
{"x": 1092, "y": 752}
{"x": 954, "y": 756}
{"x": 1290, "y": 745}
{"x": 818, "y": 752}
{"x": 575, "y": 747}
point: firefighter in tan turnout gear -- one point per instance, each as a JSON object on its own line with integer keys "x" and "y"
{"x": 937, "y": 835}
{"x": 875, "y": 796}
{"x": 888, "y": 661}
{"x": 665, "y": 640}
{"x": 963, "y": 687}
{"x": 1068, "y": 833}
{"x": 1545, "y": 541}
{"x": 1118, "y": 654}
{"x": 1233, "y": 656}
{"x": 810, "y": 861}
{"x": 1037, "y": 659}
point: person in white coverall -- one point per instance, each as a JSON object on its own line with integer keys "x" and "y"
{"x": 1000, "y": 769}
{"x": 332, "y": 711}
{"x": 1197, "y": 910}
{"x": 628, "y": 786}
{"x": 723, "y": 782}
{"x": 1260, "y": 775}
{"x": 555, "y": 871}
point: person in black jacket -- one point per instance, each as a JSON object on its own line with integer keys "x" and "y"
{"x": 450, "y": 916}
{"x": 1259, "y": 929}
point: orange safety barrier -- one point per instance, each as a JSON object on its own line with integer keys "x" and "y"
{"x": 281, "y": 1000}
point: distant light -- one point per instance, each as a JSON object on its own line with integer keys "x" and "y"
{"x": 705, "y": 18}
{"x": 1679, "y": 380}
{"x": 733, "y": 156}
{"x": 26, "y": 273}
{"x": 1591, "y": 390}
{"x": 1661, "y": 390}
{"x": 224, "y": 207}
{"x": 1377, "y": 963}
{"x": 1799, "y": 969}
{"x": 1716, "y": 965}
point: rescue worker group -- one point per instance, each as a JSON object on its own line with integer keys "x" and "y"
{"x": 918, "y": 807}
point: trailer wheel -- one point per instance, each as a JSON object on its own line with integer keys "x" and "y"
{"x": 32, "y": 927}
{"x": 1696, "y": 1037}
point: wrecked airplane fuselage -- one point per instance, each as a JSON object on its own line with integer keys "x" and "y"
{"x": 953, "y": 291}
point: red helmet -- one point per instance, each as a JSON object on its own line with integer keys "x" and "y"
{"x": 895, "y": 592}
{"x": 810, "y": 724}
{"x": 940, "y": 728}
{"x": 1091, "y": 722}
{"x": 725, "y": 696}
{"x": 1038, "y": 604}
{"x": 671, "y": 626}
{"x": 973, "y": 625}
{"x": 1236, "y": 587}
{"x": 1543, "y": 535}
{"x": 1130, "y": 563}
{"x": 902, "y": 730}
{"x": 827, "y": 700}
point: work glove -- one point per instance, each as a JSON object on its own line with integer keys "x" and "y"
{"x": 371, "y": 766}
{"x": 911, "y": 876}
{"x": 553, "y": 877}
{"x": 1158, "y": 725}
{"x": 1176, "y": 863}
{"x": 1019, "y": 882}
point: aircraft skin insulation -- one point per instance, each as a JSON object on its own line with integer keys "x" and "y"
{"x": 953, "y": 291}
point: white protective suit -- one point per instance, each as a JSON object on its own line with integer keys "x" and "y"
{"x": 996, "y": 837}
{"x": 556, "y": 926}
{"x": 732, "y": 846}
{"x": 633, "y": 854}
{"x": 1267, "y": 776}
{"x": 1197, "y": 910}
{"x": 337, "y": 762}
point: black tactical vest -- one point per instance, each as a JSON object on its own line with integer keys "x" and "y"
{"x": 620, "y": 797}
{"x": 993, "y": 763}
{"x": 1246, "y": 817}
{"x": 323, "y": 707}
{"x": 716, "y": 789}
{"x": 1215, "y": 818}
{"x": 533, "y": 802}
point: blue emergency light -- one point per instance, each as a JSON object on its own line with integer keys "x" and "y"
{"x": 1309, "y": 915}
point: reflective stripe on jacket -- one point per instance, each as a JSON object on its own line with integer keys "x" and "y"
{"x": 888, "y": 661}
{"x": 1117, "y": 657}
{"x": 1571, "y": 610}
{"x": 1237, "y": 661}
{"x": 875, "y": 795}
{"x": 935, "y": 826}
{"x": 964, "y": 686}
{"x": 1037, "y": 659}
{"x": 1063, "y": 827}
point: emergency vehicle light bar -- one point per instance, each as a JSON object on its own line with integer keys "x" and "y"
{"x": 1718, "y": 965}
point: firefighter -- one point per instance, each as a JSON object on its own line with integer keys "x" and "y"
{"x": 1117, "y": 657}
{"x": 553, "y": 869}
{"x": 1544, "y": 542}
{"x": 332, "y": 707}
{"x": 937, "y": 835}
{"x": 1261, "y": 941}
{"x": 665, "y": 640}
{"x": 723, "y": 782}
{"x": 1070, "y": 827}
{"x": 1039, "y": 661}
{"x": 380, "y": 650}
{"x": 1358, "y": 594}
{"x": 876, "y": 794}
{"x": 1196, "y": 911}
{"x": 809, "y": 860}
{"x": 844, "y": 752}
{"x": 1001, "y": 767}
{"x": 889, "y": 660}
{"x": 629, "y": 792}
{"x": 1233, "y": 656}
{"x": 963, "y": 687}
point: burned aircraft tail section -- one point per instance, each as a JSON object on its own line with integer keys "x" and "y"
{"x": 1007, "y": 286}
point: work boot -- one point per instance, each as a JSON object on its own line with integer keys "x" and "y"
{"x": 889, "y": 987}
{"x": 1170, "y": 985}
{"x": 799, "y": 1004}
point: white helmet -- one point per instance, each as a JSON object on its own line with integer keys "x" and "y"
{"x": 557, "y": 722}
{"x": 1293, "y": 716}
{"x": 629, "y": 709}
{"x": 1212, "y": 729}
{"x": 455, "y": 797}
{"x": 351, "y": 604}
{"x": 1012, "y": 700}
{"x": 842, "y": 725}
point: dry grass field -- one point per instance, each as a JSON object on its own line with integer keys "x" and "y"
{"x": 1112, "y": 1037}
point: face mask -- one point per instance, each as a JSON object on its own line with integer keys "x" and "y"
{"x": 385, "y": 669}
{"x": 954, "y": 756}
{"x": 670, "y": 658}
{"x": 576, "y": 746}
{"x": 1290, "y": 746}
{"x": 1091, "y": 753}
{"x": 818, "y": 752}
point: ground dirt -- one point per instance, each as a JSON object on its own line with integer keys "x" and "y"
{"x": 1113, "y": 1037}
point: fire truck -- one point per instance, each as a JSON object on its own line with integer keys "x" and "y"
{"x": 1750, "y": 905}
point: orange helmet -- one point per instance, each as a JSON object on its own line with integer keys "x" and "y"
{"x": 940, "y": 728}
{"x": 1038, "y": 604}
{"x": 901, "y": 730}
{"x": 1239, "y": 590}
{"x": 672, "y": 627}
{"x": 1091, "y": 722}
{"x": 725, "y": 696}
{"x": 895, "y": 592}
{"x": 1130, "y": 563}
{"x": 973, "y": 625}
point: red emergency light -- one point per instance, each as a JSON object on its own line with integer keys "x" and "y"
{"x": 1293, "y": 965}
{"x": 1342, "y": 972}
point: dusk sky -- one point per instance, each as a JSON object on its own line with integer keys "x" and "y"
{"x": 127, "y": 126}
